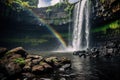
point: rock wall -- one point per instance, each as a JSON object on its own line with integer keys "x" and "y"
{"x": 104, "y": 11}
{"x": 105, "y": 21}
{"x": 56, "y": 14}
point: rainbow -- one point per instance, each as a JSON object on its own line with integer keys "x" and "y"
{"x": 55, "y": 33}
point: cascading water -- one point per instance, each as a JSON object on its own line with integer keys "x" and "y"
{"x": 81, "y": 26}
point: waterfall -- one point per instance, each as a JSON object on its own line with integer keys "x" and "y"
{"x": 81, "y": 26}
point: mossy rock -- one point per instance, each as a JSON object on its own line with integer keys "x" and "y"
{"x": 20, "y": 61}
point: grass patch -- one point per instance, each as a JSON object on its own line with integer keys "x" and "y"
{"x": 20, "y": 61}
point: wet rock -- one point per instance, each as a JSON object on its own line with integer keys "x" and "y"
{"x": 64, "y": 67}
{"x": 37, "y": 69}
{"x": 57, "y": 64}
{"x": 2, "y": 51}
{"x": 12, "y": 68}
{"x": 46, "y": 66}
{"x": 51, "y": 59}
{"x": 45, "y": 79}
{"x": 65, "y": 60}
{"x": 33, "y": 66}
{"x": 68, "y": 75}
{"x": 14, "y": 56}
{"x": 28, "y": 75}
{"x": 27, "y": 66}
{"x": 18, "y": 50}
{"x": 28, "y": 60}
{"x": 62, "y": 78}
{"x": 61, "y": 70}
{"x": 36, "y": 61}
{"x": 34, "y": 57}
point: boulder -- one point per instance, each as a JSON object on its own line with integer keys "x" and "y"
{"x": 45, "y": 79}
{"x": 28, "y": 75}
{"x": 63, "y": 68}
{"x": 36, "y": 61}
{"x": 18, "y": 50}
{"x": 53, "y": 61}
{"x": 14, "y": 56}
{"x": 2, "y": 51}
{"x": 13, "y": 68}
{"x": 65, "y": 60}
{"x": 57, "y": 64}
{"x": 37, "y": 69}
{"x": 27, "y": 66}
{"x": 34, "y": 57}
{"x": 28, "y": 60}
{"x": 45, "y": 65}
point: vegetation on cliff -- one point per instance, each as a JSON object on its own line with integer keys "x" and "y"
{"x": 63, "y": 12}
{"x": 112, "y": 25}
{"x": 25, "y": 3}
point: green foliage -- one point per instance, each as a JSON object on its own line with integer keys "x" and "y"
{"x": 20, "y": 61}
{"x": 32, "y": 2}
{"x": 102, "y": 1}
{"x": 23, "y": 3}
{"x": 7, "y": 53}
{"x": 69, "y": 9}
{"x": 48, "y": 10}
{"x": 58, "y": 5}
{"x": 113, "y": 25}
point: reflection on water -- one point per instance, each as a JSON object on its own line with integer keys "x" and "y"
{"x": 89, "y": 69}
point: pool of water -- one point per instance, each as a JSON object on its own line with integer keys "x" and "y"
{"x": 89, "y": 68}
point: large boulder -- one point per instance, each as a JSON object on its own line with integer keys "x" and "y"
{"x": 46, "y": 66}
{"x": 28, "y": 75}
{"x": 14, "y": 56}
{"x": 13, "y": 68}
{"x": 53, "y": 61}
{"x": 34, "y": 57}
{"x": 18, "y": 50}
{"x": 3, "y": 51}
{"x": 28, "y": 65}
{"x": 37, "y": 69}
{"x": 65, "y": 60}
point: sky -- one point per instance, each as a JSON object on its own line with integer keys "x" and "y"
{"x": 45, "y": 3}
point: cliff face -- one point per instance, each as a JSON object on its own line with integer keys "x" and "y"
{"x": 57, "y": 15}
{"x": 105, "y": 21}
{"x": 105, "y": 11}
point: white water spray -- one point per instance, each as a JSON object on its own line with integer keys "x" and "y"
{"x": 81, "y": 26}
